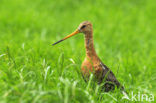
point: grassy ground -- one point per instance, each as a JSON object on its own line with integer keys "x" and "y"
{"x": 31, "y": 70}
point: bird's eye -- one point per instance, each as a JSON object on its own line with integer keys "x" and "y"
{"x": 83, "y": 26}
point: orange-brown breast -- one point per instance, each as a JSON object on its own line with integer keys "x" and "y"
{"x": 91, "y": 65}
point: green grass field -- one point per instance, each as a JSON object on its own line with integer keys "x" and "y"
{"x": 31, "y": 70}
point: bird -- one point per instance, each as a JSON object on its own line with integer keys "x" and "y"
{"x": 92, "y": 63}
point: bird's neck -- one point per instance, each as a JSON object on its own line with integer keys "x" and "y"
{"x": 90, "y": 51}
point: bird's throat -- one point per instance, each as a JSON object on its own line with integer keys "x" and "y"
{"x": 90, "y": 51}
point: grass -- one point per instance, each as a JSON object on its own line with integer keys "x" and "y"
{"x": 31, "y": 70}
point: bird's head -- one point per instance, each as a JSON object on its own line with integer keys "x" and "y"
{"x": 84, "y": 27}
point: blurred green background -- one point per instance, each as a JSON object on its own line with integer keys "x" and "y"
{"x": 31, "y": 70}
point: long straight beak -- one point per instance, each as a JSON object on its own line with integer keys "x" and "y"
{"x": 70, "y": 35}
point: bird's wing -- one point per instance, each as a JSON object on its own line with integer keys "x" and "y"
{"x": 108, "y": 75}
